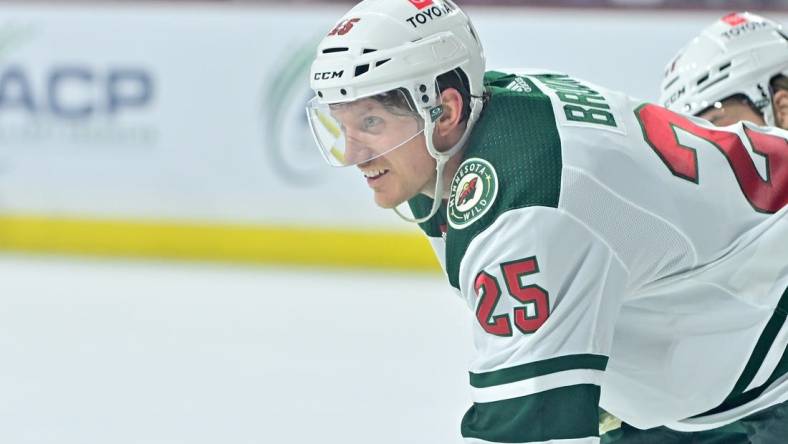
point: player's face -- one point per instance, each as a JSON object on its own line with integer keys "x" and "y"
{"x": 730, "y": 111}
{"x": 371, "y": 130}
{"x": 401, "y": 174}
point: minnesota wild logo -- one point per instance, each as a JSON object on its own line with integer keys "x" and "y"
{"x": 473, "y": 191}
{"x": 468, "y": 192}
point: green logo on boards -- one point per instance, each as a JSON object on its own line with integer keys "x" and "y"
{"x": 14, "y": 35}
{"x": 288, "y": 145}
{"x": 473, "y": 191}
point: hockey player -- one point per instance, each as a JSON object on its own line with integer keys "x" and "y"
{"x": 734, "y": 70}
{"x": 613, "y": 253}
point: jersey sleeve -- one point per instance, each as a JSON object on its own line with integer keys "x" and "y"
{"x": 545, "y": 290}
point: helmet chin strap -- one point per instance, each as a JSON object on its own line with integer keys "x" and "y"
{"x": 442, "y": 157}
{"x": 768, "y": 111}
{"x": 768, "y": 118}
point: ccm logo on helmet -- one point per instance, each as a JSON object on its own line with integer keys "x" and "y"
{"x": 328, "y": 75}
{"x": 429, "y": 14}
{"x": 674, "y": 97}
{"x": 744, "y": 29}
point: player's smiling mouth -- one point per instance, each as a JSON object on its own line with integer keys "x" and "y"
{"x": 374, "y": 173}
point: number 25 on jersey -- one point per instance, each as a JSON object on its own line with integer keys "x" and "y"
{"x": 534, "y": 305}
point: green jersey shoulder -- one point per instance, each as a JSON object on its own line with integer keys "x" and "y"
{"x": 512, "y": 160}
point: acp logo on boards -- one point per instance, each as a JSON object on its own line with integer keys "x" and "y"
{"x": 81, "y": 102}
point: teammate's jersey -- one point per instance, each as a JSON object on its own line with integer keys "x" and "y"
{"x": 614, "y": 254}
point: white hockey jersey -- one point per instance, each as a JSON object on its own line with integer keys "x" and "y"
{"x": 615, "y": 254}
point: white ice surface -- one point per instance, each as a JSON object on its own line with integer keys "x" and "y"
{"x": 116, "y": 352}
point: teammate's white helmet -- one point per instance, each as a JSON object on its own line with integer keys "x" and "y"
{"x": 394, "y": 49}
{"x": 738, "y": 54}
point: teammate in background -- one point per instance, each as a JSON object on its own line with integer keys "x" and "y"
{"x": 614, "y": 253}
{"x": 734, "y": 70}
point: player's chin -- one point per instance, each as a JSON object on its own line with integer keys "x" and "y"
{"x": 388, "y": 201}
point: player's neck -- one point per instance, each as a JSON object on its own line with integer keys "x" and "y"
{"x": 452, "y": 165}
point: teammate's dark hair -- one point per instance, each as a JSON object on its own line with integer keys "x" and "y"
{"x": 779, "y": 82}
{"x": 397, "y": 102}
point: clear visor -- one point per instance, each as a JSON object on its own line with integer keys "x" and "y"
{"x": 351, "y": 133}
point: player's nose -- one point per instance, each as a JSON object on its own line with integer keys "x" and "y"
{"x": 357, "y": 152}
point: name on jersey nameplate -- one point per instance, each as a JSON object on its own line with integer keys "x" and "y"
{"x": 580, "y": 104}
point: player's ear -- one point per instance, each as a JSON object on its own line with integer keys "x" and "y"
{"x": 780, "y": 105}
{"x": 452, "y": 103}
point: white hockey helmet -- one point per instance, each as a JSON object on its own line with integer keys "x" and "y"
{"x": 738, "y": 54}
{"x": 394, "y": 47}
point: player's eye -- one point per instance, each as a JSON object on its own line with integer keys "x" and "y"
{"x": 372, "y": 124}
